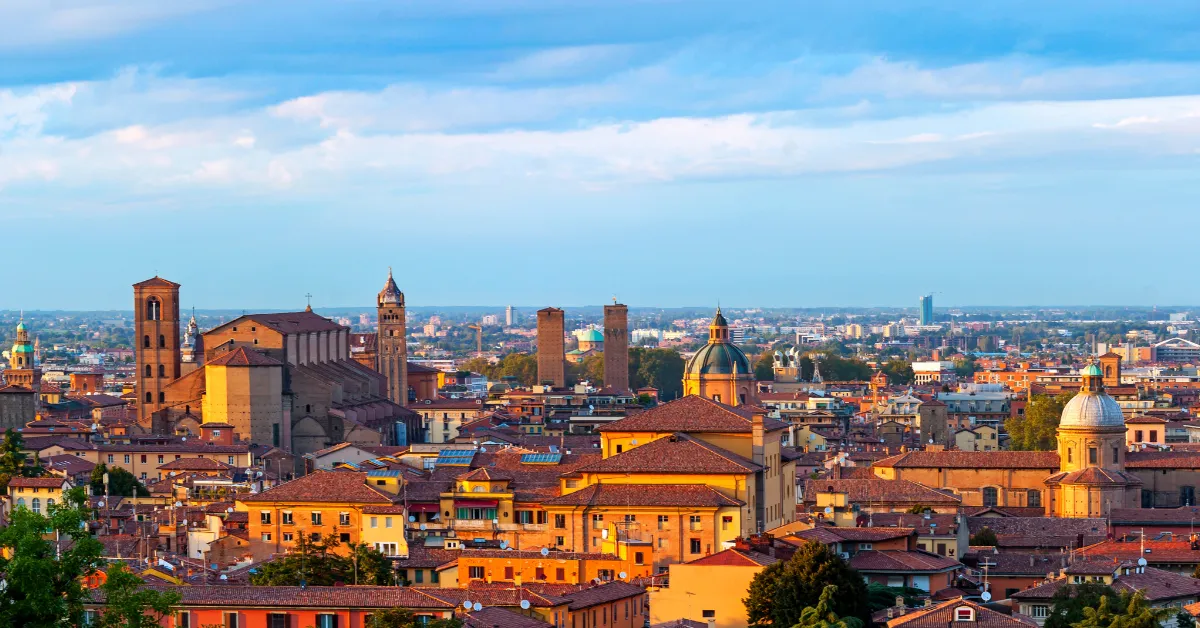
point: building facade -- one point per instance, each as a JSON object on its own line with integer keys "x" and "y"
{"x": 551, "y": 350}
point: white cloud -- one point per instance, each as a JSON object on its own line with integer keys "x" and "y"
{"x": 39, "y": 22}
{"x": 567, "y": 62}
{"x": 27, "y": 111}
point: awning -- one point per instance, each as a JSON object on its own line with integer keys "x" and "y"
{"x": 476, "y": 503}
{"x": 423, "y": 508}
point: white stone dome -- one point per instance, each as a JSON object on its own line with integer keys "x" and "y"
{"x": 1092, "y": 409}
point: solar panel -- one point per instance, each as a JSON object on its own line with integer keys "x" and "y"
{"x": 383, "y": 473}
{"x": 541, "y": 458}
{"x": 455, "y": 456}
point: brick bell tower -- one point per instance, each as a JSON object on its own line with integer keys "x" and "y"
{"x": 391, "y": 354}
{"x": 156, "y": 321}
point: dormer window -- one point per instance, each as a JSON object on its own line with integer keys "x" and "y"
{"x": 964, "y": 613}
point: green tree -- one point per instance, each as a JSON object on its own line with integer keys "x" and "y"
{"x": 822, "y": 615}
{"x": 521, "y": 366}
{"x": 1035, "y": 430}
{"x": 13, "y": 460}
{"x": 779, "y": 594}
{"x": 42, "y": 582}
{"x": 1183, "y": 619}
{"x": 401, "y": 618}
{"x": 899, "y": 372}
{"x": 1127, "y": 610}
{"x": 128, "y": 603}
{"x": 316, "y": 563}
{"x": 659, "y": 368}
{"x": 592, "y": 369}
{"x": 764, "y": 367}
{"x": 1069, "y": 602}
{"x": 964, "y": 368}
{"x": 121, "y": 483}
{"x": 881, "y": 596}
{"x": 984, "y": 537}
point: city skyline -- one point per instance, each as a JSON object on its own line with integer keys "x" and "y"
{"x": 860, "y": 154}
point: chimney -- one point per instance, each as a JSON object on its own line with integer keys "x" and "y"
{"x": 1032, "y": 560}
{"x": 757, "y": 434}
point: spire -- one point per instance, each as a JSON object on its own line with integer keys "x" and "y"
{"x": 390, "y": 295}
{"x": 718, "y": 329}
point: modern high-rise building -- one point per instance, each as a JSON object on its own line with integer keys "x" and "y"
{"x": 616, "y": 346}
{"x": 391, "y": 355}
{"x": 552, "y": 350}
{"x": 927, "y": 309}
{"x": 156, "y": 324}
{"x": 509, "y": 315}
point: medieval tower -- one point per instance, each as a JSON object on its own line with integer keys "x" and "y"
{"x": 156, "y": 323}
{"x": 391, "y": 357}
{"x": 616, "y": 346}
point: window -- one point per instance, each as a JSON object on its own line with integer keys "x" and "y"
{"x": 524, "y": 516}
{"x": 560, "y": 521}
{"x": 327, "y": 620}
{"x": 314, "y": 537}
{"x": 153, "y": 309}
{"x": 149, "y": 371}
{"x": 1070, "y": 457}
{"x": 1154, "y": 436}
{"x": 127, "y": 458}
{"x": 36, "y": 505}
{"x": 344, "y": 537}
{"x": 162, "y": 397}
{"x": 277, "y": 620}
{"x": 1039, "y": 611}
{"x": 316, "y": 517}
{"x": 695, "y": 546}
{"x": 663, "y": 520}
{"x": 560, "y": 574}
{"x": 110, "y": 458}
{"x": 90, "y": 618}
{"x": 1187, "y": 496}
{"x": 149, "y": 397}
{"x": 143, "y": 459}
{"x": 597, "y": 521}
{"x": 639, "y": 558}
{"x": 1093, "y": 455}
{"x": 231, "y": 620}
{"x": 694, "y": 523}
{"x": 990, "y": 496}
{"x": 49, "y": 504}
{"x": 964, "y": 613}
{"x": 1137, "y": 436}
{"x": 183, "y": 619}
{"x": 146, "y": 342}
{"x": 475, "y": 573}
{"x": 662, "y": 542}
{"x": 162, "y": 341}
{"x": 343, "y": 518}
{"x": 1034, "y": 498}
{"x": 264, "y": 517}
{"x": 726, "y": 521}
{"x": 160, "y": 459}
{"x": 707, "y": 614}
{"x": 560, "y": 541}
{"x": 865, "y": 546}
{"x": 285, "y": 517}
{"x": 287, "y": 537}
{"x": 266, "y": 537}
{"x": 162, "y": 370}
{"x": 508, "y": 573}
{"x": 374, "y": 522}
{"x": 419, "y": 576}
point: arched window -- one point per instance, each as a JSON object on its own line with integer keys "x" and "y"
{"x": 149, "y": 371}
{"x": 146, "y": 341}
{"x": 162, "y": 397}
{"x": 20, "y": 502}
{"x": 49, "y": 504}
{"x": 149, "y": 397}
{"x": 153, "y": 309}
{"x": 162, "y": 341}
{"x": 1187, "y": 496}
{"x": 990, "y": 496}
{"x": 162, "y": 370}
{"x": 37, "y": 505}
{"x": 1034, "y": 499}
{"x": 1108, "y": 371}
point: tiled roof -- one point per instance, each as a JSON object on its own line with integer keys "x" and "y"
{"x": 324, "y": 486}
{"x": 421, "y": 557}
{"x": 288, "y": 322}
{"x": 15, "y": 389}
{"x": 496, "y": 617}
{"x": 66, "y": 463}
{"x": 1157, "y": 585}
{"x": 736, "y": 558}
{"x": 1156, "y": 551}
{"x": 1015, "y": 564}
{"x": 242, "y": 356}
{"x": 308, "y": 597}
{"x": 693, "y": 414}
{"x": 942, "y": 615}
{"x": 1032, "y": 526}
{"x": 1140, "y": 419}
{"x": 934, "y": 524}
{"x": 1152, "y": 516}
{"x": 484, "y": 475}
{"x": 52, "y": 482}
{"x": 900, "y": 560}
{"x": 1162, "y": 460}
{"x": 674, "y": 454}
{"x": 880, "y": 491}
{"x": 1094, "y": 476}
{"x": 182, "y": 447}
{"x": 603, "y": 594}
{"x": 195, "y": 464}
{"x": 681, "y": 495}
{"x": 973, "y": 460}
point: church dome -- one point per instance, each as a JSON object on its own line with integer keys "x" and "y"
{"x": 591, "y": 335}
{"x": 718, "y": 358}
{"x": 1092, "y": 409}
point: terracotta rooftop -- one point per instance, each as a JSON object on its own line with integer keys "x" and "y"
{"x": 309, "y": 597}
{"x": 735, "y": 558}
{"x": 496, "y": 617}
{"x": 973, "y": 460}
{"x": 1162, "y": 460}
{"x": 603, "y": 594}
{"x": 242, "y": 356}
{"x": 693, "y": 414}
{"x": 1174, "y": 552}
{"x": 1153, "y": 516}
{"x": 900, "y": 560}
{"x": 942, "y": 615}
{"x": 674, "y": 454}
{"x": 683, "y": 495}
{"x": 1021, "y": 526}
{"x": 51, "y": 482}
{"x": 286, "y": 322}
{"x": 880, "y": 491}
{"x": 326, "y": 487}
{"x": 195, "y": 464}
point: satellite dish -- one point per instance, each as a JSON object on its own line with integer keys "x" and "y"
{"x": 178, "y": 504}
{"x": 185, "y": 522}
{"x": 467, "y": 604}
{"x": 622, "y": 575}
{"x": 503, "y": 544}
{"x": 412, "y": 518}
{"x": 224, "y": 577}
{"x": 545, "y": 551}
{"x": 1141, "y": 562}
{"x": 524, "y": 605}
{"x": 829, "y": 510}
{"x": 422, "y": 526}
{"x": 985, "y": 596}
{"x": 100, "y": 504}
{"x": 477, "y": 607}
{"x": 229, "y": 510}
{"x": 633, "y": 442}
{"x": 508, "y": 548}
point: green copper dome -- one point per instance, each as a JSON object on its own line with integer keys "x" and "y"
{"x": 718, "y": 358}
{"x": 1092, "y": 371}
{"x": 591, "y": 335}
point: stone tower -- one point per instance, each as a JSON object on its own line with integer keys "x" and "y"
{"x": 191, "y": 350}
{"x": 391, "y": 356}
{"x": 616, "y": 346}
{"x": 24, "y": 369}
{"x": 551, "y": 354}
{"x": 1110, "y": 366}
{"x": 156, "y": 324}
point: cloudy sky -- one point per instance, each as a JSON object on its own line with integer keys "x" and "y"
{"x": 535, "y": 152}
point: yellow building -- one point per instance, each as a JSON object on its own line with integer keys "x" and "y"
{"x": 244, "y": 388}
{"x": 37, "y": 494}
{"x": 720, "y": 371}
{"x": 979, "y": 438}
{"x": 324, "y": 503}
{"x": 709, "y": 589}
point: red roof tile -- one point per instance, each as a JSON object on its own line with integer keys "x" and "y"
{"x": 693, "y": 414}
{"x": 674, "y": 454}
{"x": 900, "y": 560}
{"x": 735, "y": 558}
{"x": 973, "y": 460}
{"x": 683, "y": 495}
{"x": 242, "y": 356}
{"x": 324, "y": 486}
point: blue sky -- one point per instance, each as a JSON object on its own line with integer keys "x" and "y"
{"x": 534, "y": 152}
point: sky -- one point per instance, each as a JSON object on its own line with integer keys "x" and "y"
{"x": 564, "y": 152}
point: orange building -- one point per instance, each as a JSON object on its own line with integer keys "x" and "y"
{"x": 525, "y": 567}
{"x": 720, "y": 370}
